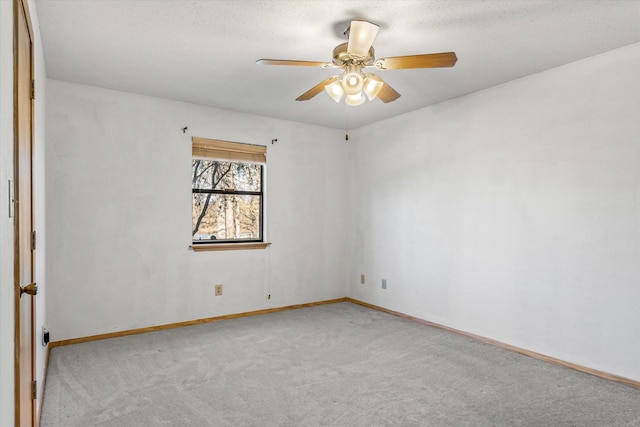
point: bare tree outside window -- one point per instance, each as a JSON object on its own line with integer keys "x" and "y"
{"x": 227, "y": 201}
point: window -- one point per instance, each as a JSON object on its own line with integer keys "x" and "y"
{"x": 227, "y": 194}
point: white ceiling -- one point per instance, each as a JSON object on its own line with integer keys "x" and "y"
{"x": 204, "y": 52}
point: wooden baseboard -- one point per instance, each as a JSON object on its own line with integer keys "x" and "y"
{"x": 190, "y": 323}
{"x": 539, "y": 356}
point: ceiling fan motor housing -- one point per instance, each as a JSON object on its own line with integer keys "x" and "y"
{"x": 341, "y": 57}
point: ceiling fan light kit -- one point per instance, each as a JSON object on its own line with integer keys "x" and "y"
{"x": 368, "y": 84}
{"x": 335, "y": 90}
{"x": 355, "y": 99}
{"x": 352, "y": 80}
{"x": 352, "y": 57}
{"x": 372, "y": 86}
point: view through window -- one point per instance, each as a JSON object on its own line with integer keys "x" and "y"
{"x": 227, "y": 198}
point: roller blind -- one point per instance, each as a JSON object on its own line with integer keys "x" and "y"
{"x": 227, "y": 150}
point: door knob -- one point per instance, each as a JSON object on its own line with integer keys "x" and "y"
{"x": 31, "y": 289}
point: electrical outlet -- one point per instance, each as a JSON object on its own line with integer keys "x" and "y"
{"x": 384, "y": 283}
{"x": 218, "y": 290}
{"x": 45, "y": 337}
{"x": 362, "y": 279}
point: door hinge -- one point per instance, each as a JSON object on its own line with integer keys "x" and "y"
{"x": 34, "y": 390}
{"x": 33, "y": 89}
{"x": 33, "y": 240}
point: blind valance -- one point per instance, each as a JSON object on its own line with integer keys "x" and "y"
{"x": 227, "y": 150}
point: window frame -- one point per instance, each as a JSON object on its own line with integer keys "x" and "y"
{"x": 231, "y": 152}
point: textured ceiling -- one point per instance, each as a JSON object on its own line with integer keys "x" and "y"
{"x": 204, "y": 52}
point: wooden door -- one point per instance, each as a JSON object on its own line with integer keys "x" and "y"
{"x": 24, "y": 301}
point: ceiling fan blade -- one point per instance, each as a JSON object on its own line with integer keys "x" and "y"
{"x": 295, "y": 63}
{"x": 429, "y": 60}
{"x": 316, "y": 89}
{"x": 387, "y": 93}
{"x": 361, "y": 36}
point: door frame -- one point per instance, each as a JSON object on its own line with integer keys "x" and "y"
{"x": 20, "y": 7}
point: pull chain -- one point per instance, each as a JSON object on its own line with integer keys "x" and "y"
{"x": 346, "y": 115}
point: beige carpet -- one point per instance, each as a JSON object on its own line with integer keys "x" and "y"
{"x": 332, "y": 365}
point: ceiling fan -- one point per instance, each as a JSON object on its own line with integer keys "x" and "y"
{"x": 358, "y": 54}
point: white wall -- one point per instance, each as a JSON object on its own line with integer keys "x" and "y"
{"x": 119, "y": 214}
{"x": 512, "y": 213}
{"x": 7, "y": 315}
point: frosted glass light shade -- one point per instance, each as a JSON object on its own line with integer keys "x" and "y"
{"x": 335, "y": 90}
{"x": 355, "y": 100}
{"x": 361, "y": 36}
{"x": 372, "y": 86}
{"x": 352, "y": 80}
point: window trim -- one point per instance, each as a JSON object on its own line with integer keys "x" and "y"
{"x": 259, "y": 193}
{"x": 236, "y": 152}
